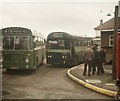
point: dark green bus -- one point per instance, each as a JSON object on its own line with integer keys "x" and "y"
{"x": 65, "y": 49}
{"x": 22, "y": 48}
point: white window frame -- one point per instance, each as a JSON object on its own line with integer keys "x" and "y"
{"x": 110, "y": 39}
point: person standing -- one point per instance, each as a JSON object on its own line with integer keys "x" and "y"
{"x": 88, "y": 56}
{"x": 96, "y": 60}
{"x": 102, "y": 59}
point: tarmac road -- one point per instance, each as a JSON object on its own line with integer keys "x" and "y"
{"x": 47, "y": 82}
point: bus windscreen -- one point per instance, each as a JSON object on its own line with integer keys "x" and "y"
{"x": 16, "y": 43}
{"x": 56, "y": 44}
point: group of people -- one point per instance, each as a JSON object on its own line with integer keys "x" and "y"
{"x": 93, "y": 60}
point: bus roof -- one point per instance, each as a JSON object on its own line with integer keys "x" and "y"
{"x": 59, "y": 35}
{"x": 19, "y": 31}
{"x": 64, "y": 35}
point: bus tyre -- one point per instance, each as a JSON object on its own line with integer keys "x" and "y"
{"x": 76, "y": 61}
{"x": 42, "y": 60}
{"x": 36, "y": 66}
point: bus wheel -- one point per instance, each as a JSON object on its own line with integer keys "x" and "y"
{"x": 36, "y": 66}
{"x": 70, "y": 64}
{"x": 42, "y": 60}
{"x": 75, "y": 60}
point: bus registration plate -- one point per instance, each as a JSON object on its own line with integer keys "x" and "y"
{"x": 14, "y": 67}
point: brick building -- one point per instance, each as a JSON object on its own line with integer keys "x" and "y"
{"x": 106, "y": 36}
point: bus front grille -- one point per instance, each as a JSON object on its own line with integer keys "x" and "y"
{"x": 14, "y": 57}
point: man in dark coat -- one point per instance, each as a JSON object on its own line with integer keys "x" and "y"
{"x": 96, "y": 60}
{"x": 102, "y": 59}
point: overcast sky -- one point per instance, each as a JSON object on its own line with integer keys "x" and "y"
{"x": 78, "y": 17}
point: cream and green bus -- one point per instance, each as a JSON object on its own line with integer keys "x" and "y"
{"x": 22, "y": 48}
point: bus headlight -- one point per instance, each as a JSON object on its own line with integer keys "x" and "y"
{"x": 27, "y": 60}
{"x": 1, "y": 59}
{"x": 64, "y": 57}
{"x": 49, "y": 56}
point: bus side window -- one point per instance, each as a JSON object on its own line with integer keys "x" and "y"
{"x": 34, "y": 42}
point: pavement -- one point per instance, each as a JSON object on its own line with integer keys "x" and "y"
{"x": 102, "y": 83}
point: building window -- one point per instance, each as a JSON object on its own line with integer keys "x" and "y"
{"x": 110, "y": 40}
